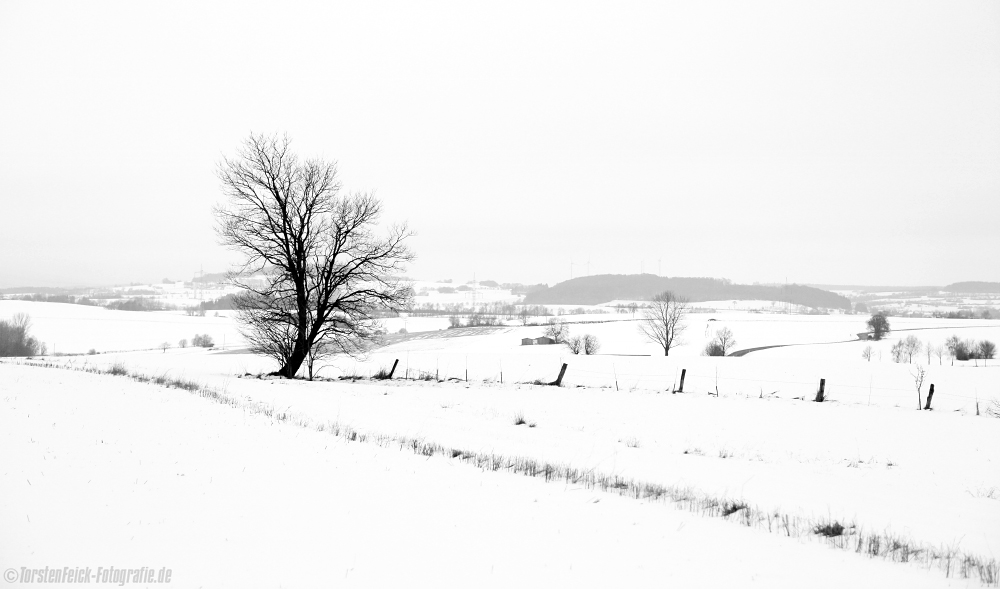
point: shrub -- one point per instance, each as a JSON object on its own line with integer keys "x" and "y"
{"x": 482, "y": 319}
{"x": 16, "y": 339}
{"x": 713, "y": 349}
{"x": 987, "y": 350}
{"x": 878, "y": 325}
{"x": 202, "y": 341}
{"x": 182, "y": 344}
{"x": 590, "y": 344}
{"x": 575, "y": 344}
{"x": 136, "y": 304}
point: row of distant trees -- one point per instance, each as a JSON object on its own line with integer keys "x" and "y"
{"x": 906, "y": 348}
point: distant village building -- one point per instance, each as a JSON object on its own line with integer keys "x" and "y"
{"x": 538, "y": 341}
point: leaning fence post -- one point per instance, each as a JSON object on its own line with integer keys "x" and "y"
{"x": 820, "y": 394}
{"x": 930, "y": 395}
{"x": 562, "y": 373}
{"x": 393, "y": 367}
{"x": 680, "y": 389}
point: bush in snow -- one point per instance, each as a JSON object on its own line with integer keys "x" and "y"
{"x": 16, "y": 339}
{"x": 202, "y": 341}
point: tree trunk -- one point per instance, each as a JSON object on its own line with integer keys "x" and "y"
{"x": 291, "y": 367}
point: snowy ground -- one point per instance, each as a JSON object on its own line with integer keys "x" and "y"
{"x": 744, "y": 428}
{"x": 105, "y": 471}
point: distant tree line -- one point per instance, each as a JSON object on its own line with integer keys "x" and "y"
{"x": 54, "y": 298}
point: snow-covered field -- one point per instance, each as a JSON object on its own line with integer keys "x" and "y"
{"x": 865, "y": 457}
{"x": 107, "y": 472}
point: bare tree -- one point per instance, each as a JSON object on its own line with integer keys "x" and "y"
{"x": 575, "y": 344}
{"x": 319, "y": 351}
{"x": 867, "y": 353}
{"x": 939, "y": 352}
{"x": 313, "y": 269}
{"x": 590, "y": 344}
{"x": 725, "y": 340}
{"x": 987, "y": 350}
{"x": 898, "y": 351}
{"x": 953, "y": 344}
{"x": 558, "y": 331}
{"x": 911, "y": 347}
{"x": 918, "y": 382}
{"x": 662, "y": 320}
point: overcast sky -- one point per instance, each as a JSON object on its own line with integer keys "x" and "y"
{"x": 822, "y": 142}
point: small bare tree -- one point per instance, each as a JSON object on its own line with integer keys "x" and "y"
{"x": 663, "y": 320}
{"x": 575, "y": 344}
{"x": 590, "y": 344}
{"x": 911, "y": 347}
{"x": 182, "y": 344}
{"x": 987, "y": 350}
{"x": 165, "y": 346}
{"x": 939, "y": 351}
{"x": 558, "y": 331}
{"x": 898, "y": 351}
{"x": 724, "y": 340}
{"x": 313, "y": 268}
{"x": 918, "y": 382}
{"x": 867, "y": 353}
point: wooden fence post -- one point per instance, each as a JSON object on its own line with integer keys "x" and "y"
{"x": 393, "y": 367}
{"x": 562, "y": 373}
{"x": 680, "y": 389}
{"x": 930, "y": 395}
{"x": 820, "y": 394}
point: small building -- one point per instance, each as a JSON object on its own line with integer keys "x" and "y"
{"x": 538, "y": 341}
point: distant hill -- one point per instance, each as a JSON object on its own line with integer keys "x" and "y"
{"x": 594, "y": 290}
{"x": 974, "y": 287}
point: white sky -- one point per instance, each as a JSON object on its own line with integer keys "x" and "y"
{"x": 834, "y": 142}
